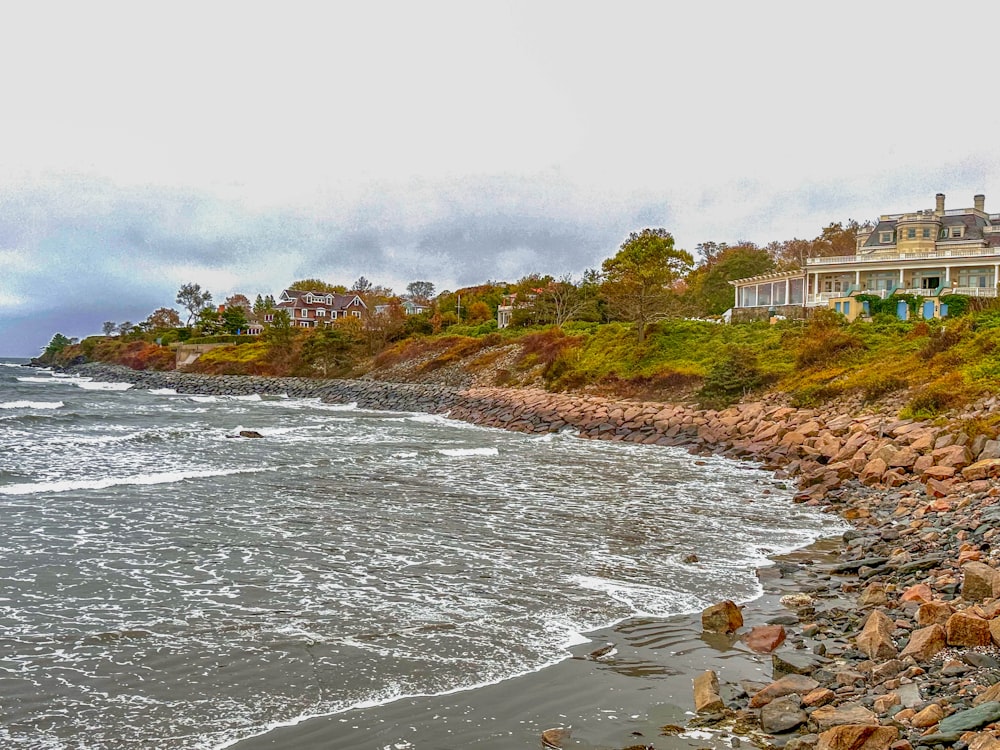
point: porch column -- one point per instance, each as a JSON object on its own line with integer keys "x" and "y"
{"x": 901, "y": 282}
{"x": 815, "y": 286}
{"x": 857, "y": 279}
{"x": 788, "y": 298}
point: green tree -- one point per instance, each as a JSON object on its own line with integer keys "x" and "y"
{"x": 639, "y": 281}
{"x": 708, "y": 285}
{"x": 279, "y": 333}
{"x": 193, "y": 299}
{"x": 420, "y": 291}
{"x": 328, "y": 350}
{"x": 109, "y": 327}
{"x": 316, "y": 285}
{"x": 56, "y": 345}
{"x": 209, "y": 321}
{"x": 234, "y": 319}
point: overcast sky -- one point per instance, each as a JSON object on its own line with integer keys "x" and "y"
{"x": 244, "y": 145}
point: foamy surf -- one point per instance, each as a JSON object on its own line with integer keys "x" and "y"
{"x": 463, "y": 452}
{"x": 32, "y": 405}
{"x": 97, "y": 385}
{"x": 164, "y": 477}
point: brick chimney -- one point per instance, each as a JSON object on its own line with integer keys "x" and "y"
{"x": 939, "y": 204}
{"x": 979, "y": 202}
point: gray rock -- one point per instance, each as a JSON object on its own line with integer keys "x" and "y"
{"x": 971, "y": 718}
{"x": 782, "y": 714}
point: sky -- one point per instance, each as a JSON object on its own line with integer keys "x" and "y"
{"x": 245, "y": 145}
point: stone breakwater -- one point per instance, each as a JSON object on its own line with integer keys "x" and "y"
{"x": 894, "y": 645}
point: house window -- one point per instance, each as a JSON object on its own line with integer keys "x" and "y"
{"x": 356, "y": 313}
{"x": 885, "y": 236}
{"x": 927, "y": 232}
{"x": 321, "y": 313}
{"x": 333, "y": 313}
{"x": 778, "y": 293}
{"x": 303, "y": 313}
{"x": 269, "y": 318}
{"x": 911, "y": 233}
{"x": 957, "y": 231}
{"x": 795, "y": 292}
{"x": 975, "y": 277}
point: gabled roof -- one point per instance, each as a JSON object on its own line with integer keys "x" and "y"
{"x": 295, "y": 298}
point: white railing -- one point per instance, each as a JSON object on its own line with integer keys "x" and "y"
{"x": 958, "y": 252}
{"x": 918, "y": 292}
{"x": 974, "y": 291}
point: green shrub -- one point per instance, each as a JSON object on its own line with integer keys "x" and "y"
{"x": 731, "y": 378}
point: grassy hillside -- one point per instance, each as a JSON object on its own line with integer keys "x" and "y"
{"x": 920, "y": 368}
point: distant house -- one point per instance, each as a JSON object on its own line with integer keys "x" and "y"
{"x": 310, "y": 309}
{"x": 511, "y": 302}
{"x": 928, "y": 253}
{"x": 409, "y": 307}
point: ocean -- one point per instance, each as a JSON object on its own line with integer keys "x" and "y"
{"x": 164, "y": 584}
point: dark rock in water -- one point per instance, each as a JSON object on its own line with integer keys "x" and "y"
{"x": 250, "y": 434}
{"x": 692, "y": 558}
{"x": 724, "y": 617}
{"x": 554, "y": 738}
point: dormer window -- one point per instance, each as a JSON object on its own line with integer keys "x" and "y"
{"x": 884, "y": 237}
{"x": 957, "y": 231}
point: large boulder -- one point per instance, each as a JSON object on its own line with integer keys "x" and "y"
{"x": 706, "y": 693}
{"x": 858, "y": 737}
{"x": 765, "y": 638}
{"x": 875, "y": 640}
{"x": 979, "y": 581}
{"x": 966, "y": 629}
{"x": 925, "y": 643}
{"x": 724, "y": 617}
{"x": 783, "y": 714}
{"x": 826, "y": 717}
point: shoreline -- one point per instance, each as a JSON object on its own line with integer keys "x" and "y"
{"x": 890, "y": 639}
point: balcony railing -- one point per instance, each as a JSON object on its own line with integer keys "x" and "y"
{"x": 975, "y": 291}
{"x": 955, "y": 252}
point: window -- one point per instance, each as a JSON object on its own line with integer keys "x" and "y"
{"x": 885, "y": 236}
{"x": 303, "y": 313}
{"x": 957, "y": 231}
{"x": 269, "y": 318}
{"x": 321, "y": 313}
{"x": 911, "y": 233}
{"x": 356, "y": 313}
{"x": 927, "y": 232}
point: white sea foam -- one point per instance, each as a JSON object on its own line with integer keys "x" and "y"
{"x": 204, "y": 399}
{"x": 162, "y": 392}
{"x": 97, "y": 385}
{"x": 32, "y": 405}
{"x": 640, "y": 598}
{"x": 34, "y": 379}
{"x": 459, "y": 452}
{"x": 164, "y": 477}
{"x": 315, "y": 403}
{"x": 442, "y": 420}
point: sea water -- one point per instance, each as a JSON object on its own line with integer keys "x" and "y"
{"x": 166, "y": 584}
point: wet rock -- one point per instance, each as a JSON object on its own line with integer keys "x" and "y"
{"x": 724, "y": 617}
{"x": 795, "y": 662}
{"x": 857, "y": 737}
{"x": 250, "y": 434}
{"x": 554, "y": 738}
{"x": 787, "y": 685}
{"x": 783, "y": 714}
{"x": 765, "y": 638}
{"x": 846, "y": 713}
{"x": 706, "y": 693}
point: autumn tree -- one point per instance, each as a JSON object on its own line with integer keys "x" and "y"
{"x": 639, "y": 280}
{"x": 238, "y": 300}
{"x": 164, "y": 317}
{"x": 193, "y": 299}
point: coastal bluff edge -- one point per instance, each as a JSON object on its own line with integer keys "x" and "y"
{"x": 894, "y": 645}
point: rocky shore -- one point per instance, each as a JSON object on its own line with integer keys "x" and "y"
{"x": 893, "y": 645}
